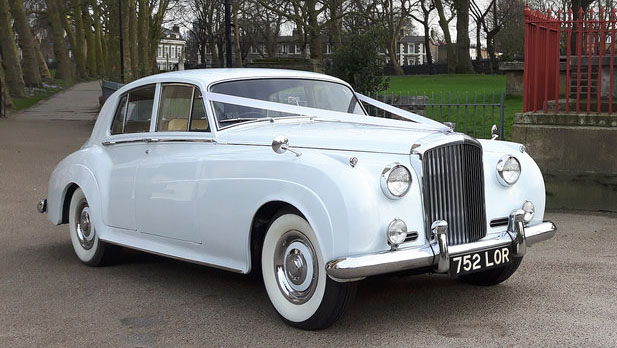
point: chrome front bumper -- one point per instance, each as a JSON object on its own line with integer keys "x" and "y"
{"x": 437, "y": 255}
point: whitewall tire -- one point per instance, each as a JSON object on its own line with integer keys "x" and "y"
{"x": 88, "y": 248}
{"x": 294, "y": 275}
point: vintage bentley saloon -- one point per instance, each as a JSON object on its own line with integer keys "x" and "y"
{"x": 284, "y": 173}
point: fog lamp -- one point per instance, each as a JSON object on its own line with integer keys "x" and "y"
{"x": 529, "y": 210}
{"x": 397, "y": 232}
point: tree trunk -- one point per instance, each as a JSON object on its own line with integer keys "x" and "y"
{"x": 156, "y": 25}
{"x": 98, "y": 41}
{"x": 5, "y": 96}
{"x": 42, "y": 64}
{"x": 126, "y": 42}
{"x": 8, "y": 48}
{"x": 314, "y": 31}
{"x": 478, "y": 42}
{"x": 396, "y": 67}
{"x": 79, "y": 49}
{"x": 443, "y": 23}
{"x": 463, "y": 59}
{"x": 133, "y": 43}
{"x": 32, "y": 76}
{"x": 142, "y": 33}
{"x": 236, "y": 27}
{"x": 427, "y": 43}
{"x": 91, "y": 54}
{"x": 64, "y": 67}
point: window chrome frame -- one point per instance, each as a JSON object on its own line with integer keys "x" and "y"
{"x": 154, "y": 128}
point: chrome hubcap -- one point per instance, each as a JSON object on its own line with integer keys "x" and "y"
{"x": 84, "y": 229}
{"x": 295, "y": 267}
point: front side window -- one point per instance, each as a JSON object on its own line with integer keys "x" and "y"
{"x": 301, "y": 92}
{"x": 134, "y": 111}
{"x": 181, "y": 110}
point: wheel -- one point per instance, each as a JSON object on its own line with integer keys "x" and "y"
{"x": 88, "y": 248}
{"x": 492, "y": 276}
{"x": 294, "y": 275}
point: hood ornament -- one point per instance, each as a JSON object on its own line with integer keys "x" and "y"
{"x": 280, "y": 144}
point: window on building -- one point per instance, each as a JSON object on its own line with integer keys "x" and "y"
{"x": 173, "y": 52}
{"x": 166, "y": 51}
{"x": 160, "y": 51}
{"x": 411, "y": 48}
{"x": 179, "y": 51}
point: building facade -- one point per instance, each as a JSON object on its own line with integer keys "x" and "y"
{"x": 170, "y": 52}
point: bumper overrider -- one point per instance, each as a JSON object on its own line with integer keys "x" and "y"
{"x": 437, "y": 254}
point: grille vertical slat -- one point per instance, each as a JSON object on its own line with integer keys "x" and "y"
{"x": 453, "y": 179}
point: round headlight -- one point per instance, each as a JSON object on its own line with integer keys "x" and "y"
{"x": 508, "y": 170}
{"x": 395, "y": 181}
{"x": 397, "y": 232}
{"x": 529, "y": 210}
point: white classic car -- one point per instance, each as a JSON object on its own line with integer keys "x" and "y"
{"x": 284, "y": 173}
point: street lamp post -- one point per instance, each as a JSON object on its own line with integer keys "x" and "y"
{"x": 121, "y": 42}
{"x": 228, "y": 33}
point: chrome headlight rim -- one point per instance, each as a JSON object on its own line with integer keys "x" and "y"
{"x": 385, "y": 176}
{"x": 501, "y": 164}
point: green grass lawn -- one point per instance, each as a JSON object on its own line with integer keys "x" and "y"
{"x": 445, "y": 89}
{"x": 38, "y": 94}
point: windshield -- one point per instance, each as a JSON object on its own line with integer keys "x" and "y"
{"x": 310, "y": 93}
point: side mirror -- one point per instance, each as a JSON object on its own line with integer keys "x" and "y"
{"x": 494, "y": 132}
{"x": 280, "y": 144}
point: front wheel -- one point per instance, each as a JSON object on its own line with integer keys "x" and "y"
{"x": 295, "y": 279}
{"x": 88, "y": 248}
{"x": 492, "y": 276}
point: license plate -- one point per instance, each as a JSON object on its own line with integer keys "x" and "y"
{"x": 480, "y": 261}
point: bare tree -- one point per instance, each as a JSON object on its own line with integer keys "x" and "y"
{"x": 14, "y": 77}
{"x": 444, "y": 23}
{"x": 32, "y": 75}
{"x": 425, "y": 7}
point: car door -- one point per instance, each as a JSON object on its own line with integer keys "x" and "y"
{"x": 167, "y": 177}
{"x": 125, "y": 148}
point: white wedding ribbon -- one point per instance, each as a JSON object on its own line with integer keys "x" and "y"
{"x": 421, "y": 123}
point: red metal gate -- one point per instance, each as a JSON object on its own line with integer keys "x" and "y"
{"x": 582, "y": 48}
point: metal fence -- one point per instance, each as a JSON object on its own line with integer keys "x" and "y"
{"x": 585, "y": 42}
{"x": 472, "y": 113}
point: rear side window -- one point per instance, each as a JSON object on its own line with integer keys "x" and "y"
{"x": 134, "y": 111}
{"x": 118, "y": 124}
{"x": 181, "y": 110}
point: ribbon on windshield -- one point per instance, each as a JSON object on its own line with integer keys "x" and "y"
{"x": 420, "y": 122}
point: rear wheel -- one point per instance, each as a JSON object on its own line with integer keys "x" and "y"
{"x": 492, "y": 276}
{"x": 295, "y": 279}
{"x": 88, "y": 248}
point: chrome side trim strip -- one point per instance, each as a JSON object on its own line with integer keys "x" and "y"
{"x": 158, "y": 140}
{"x": 115, "y": 142}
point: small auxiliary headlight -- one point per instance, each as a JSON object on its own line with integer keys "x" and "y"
{"x": 397, "y": 232}
{"x": 508, "y": 170}
{"x": 529, "y": 210}
{"x": 395, "y": 181}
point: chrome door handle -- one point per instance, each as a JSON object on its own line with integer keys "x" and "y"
{"x": 152, "y": 140}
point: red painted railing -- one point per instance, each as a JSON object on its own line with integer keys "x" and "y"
{"x": 585, "y": 44}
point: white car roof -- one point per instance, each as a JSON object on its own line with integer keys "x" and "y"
{"x": 213, "y": 75}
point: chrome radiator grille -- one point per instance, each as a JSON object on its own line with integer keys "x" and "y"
{"x": 453, "y": 184}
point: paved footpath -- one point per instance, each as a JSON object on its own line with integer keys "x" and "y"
{"x": 563, "y": 295}
{"x": 77, "y": 103}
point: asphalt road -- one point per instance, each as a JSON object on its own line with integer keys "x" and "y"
{"x": 564, "y": 293}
